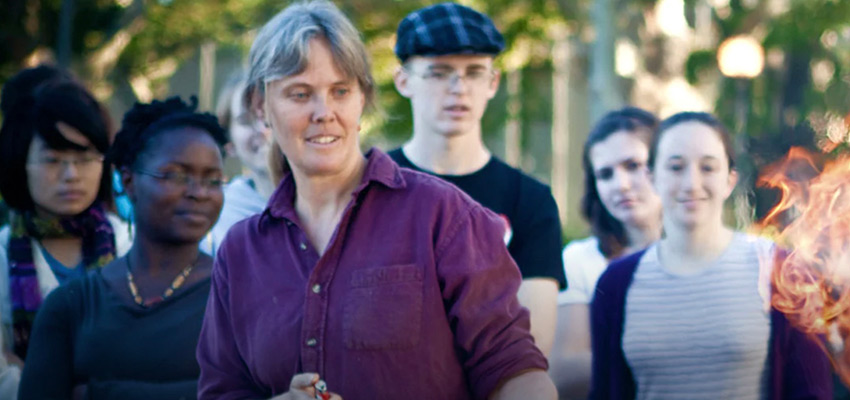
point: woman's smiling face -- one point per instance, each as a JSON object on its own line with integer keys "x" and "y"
{"x": 692, "y": 174}
{"x": 315, "y": 115}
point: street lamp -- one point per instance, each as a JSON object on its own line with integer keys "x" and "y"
{"x": 740, "y": 58}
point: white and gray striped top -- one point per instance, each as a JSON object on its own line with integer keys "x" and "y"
{"x": 703, "y": 336}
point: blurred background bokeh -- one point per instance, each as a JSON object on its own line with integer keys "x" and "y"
{"x": 785, "y": 78}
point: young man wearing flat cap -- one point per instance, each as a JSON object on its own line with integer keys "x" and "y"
{"x": 447, "y": 53}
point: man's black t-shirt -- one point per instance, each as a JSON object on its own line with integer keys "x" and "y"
{"x": 534, "y": 228}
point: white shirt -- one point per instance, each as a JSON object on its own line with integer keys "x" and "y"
{"x": 583, "y": 264}
{"x": 241, "y": 201}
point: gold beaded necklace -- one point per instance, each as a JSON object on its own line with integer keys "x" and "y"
{"x": 175, "y": 284}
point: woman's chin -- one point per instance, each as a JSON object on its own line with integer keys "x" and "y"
{"x": 323, "y": 166}
{"x": 67, "y": 210}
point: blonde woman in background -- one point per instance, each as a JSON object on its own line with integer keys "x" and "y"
{"x": 247, "y": 193}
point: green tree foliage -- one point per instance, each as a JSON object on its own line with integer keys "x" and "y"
{"x": 165, "y": 33}
{"x": 784, "y": 106}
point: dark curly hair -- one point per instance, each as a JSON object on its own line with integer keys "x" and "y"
{"x": 145, "y": 121}
{"x": 609, "y": 231}
{"x": 33, "y": 102}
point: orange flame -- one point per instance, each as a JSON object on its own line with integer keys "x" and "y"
{"x": 811, "y": 281}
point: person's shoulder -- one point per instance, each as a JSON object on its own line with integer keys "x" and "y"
{"x": 123, "y": 234}
{"x": 582, "y": 249}
{"x": 524, "y": 180}
{"x": 534, "y": 198}
{"x": 748, "y": 247}
{"x": 240, "y": 188}
{"x": 401, "y": 160}
{"x": 243, "y": 229}
{"x": 620, "y": 271}
{"x": 72, "y": 294}
{"x": 444, "y": 199}
{"x": 760, "y": 243}
{"x": 430, "y": 186}
{"x": 583, "y": 245}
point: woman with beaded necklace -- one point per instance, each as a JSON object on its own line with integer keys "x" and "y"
{"x": 130, "y": 330}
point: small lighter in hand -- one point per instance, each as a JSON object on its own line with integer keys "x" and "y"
{"x": 322, "y": 390}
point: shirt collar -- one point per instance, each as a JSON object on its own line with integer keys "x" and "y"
{"x": 380, "y": 169}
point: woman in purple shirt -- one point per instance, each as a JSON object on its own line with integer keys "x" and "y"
{"x": 383, "y": 282}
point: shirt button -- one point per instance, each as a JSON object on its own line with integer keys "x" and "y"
{"x": 303, "y": 246}
{"x": 312, "y": 342}
{"x": 317, "y": 288}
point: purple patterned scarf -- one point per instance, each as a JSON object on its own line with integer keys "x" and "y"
{"x": 98, "y": 249}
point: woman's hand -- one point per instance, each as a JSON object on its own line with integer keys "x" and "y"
{"x": 301, "y": 388}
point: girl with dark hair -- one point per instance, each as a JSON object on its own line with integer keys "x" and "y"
{"x": 690, "y": 316}
{"x": 55, "y": 180}
{"x": 624, "y": 215}
{"x": 129, "y": 330}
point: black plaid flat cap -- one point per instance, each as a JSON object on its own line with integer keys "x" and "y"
{"x": 447, "y": 28}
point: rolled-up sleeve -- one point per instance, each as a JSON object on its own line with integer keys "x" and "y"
{"x": 224, "y": 374}
{"x": 480, "y": 283}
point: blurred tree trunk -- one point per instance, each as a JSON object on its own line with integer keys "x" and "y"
{"x": 513, "y": 127}
{"x": 604, "y": 91}
{"x": 207, "y": 76}
{"x": 66, "y": 30}
{"x": 561, "y": 57}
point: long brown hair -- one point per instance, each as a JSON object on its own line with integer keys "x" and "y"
{"x": 608, "y": 230}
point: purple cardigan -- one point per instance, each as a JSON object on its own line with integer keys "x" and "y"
{"x": 798, "y": 367}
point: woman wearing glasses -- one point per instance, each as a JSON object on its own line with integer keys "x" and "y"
{"x": 55, "y": 180}
{"x": 245, "y": 194}
{"x": 129, "y": 330}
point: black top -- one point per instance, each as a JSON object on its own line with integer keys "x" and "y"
{"x": 528, "y": 205}
{"x": 86, "y": 334}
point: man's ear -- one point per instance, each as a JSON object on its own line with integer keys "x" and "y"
{"x": 402, "y": 79}
{"x": 494, "y": 84}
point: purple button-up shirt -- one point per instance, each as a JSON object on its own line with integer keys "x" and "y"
{"x": 414, "y": 298}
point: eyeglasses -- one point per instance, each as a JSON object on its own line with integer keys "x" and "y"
{"x": 180, "y": 180}
{"x": 86, "y": 161}
{"x": 475, "y": 77}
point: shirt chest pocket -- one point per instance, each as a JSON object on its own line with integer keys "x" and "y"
{"x": 383, "y": 309}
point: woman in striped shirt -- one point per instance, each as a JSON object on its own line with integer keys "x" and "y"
{"x": 690, "y": 317}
